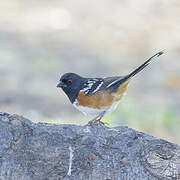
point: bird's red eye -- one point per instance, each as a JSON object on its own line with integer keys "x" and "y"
{"x": 69, "y": 81}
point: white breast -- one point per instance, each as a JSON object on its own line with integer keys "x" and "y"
{"x": 87, "y": 110}
{"x": 92, "y": 111}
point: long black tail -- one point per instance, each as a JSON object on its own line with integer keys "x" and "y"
{"x": 126, "y": 78}
{"x": 141, "y": 67}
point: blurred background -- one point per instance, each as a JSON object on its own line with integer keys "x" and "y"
{"x": 41, "y": 39}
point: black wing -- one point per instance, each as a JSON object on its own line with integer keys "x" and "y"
{"x": 112, "y": 83}
{"x": 92, "y": 85}
{"x": 95, "y": 85}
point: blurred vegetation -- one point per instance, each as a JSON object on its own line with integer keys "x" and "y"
{"x": 40, "y": 40}
{"x": 162, "y": 121}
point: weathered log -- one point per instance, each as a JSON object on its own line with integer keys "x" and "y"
{"x": 41, "y": 151}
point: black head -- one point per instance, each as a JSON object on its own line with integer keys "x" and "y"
{"x": 71, "y": 84}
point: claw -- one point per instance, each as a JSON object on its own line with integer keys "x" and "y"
{"x": 96, "y": 121}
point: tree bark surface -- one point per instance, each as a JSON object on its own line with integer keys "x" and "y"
{"x": 40, "y": 151}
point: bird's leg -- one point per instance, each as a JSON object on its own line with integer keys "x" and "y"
{"x": 97, "y": 120}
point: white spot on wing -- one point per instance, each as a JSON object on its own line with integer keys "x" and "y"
{"x": 88, "y": 85}
{"x": 98, "y": 87}
{"x": 113, "y": 82}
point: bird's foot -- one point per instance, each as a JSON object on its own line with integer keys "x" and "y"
{"x": 96, "y": 121}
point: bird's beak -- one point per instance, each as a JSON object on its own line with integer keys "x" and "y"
{"x": 61, "y": 85}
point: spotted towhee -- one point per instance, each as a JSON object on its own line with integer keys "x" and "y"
{"x": 97, "y": 96}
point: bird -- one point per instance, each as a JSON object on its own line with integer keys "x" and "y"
{"x": 98, "y": 96}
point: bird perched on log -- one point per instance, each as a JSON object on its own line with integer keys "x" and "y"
{"x": 97, "y": 96}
